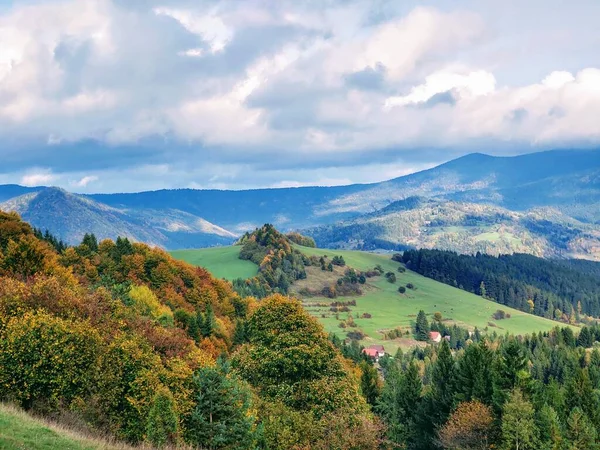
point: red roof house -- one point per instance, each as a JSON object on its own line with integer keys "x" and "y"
{"x": 435, "y": 336}
{"x": 371, "y": 353}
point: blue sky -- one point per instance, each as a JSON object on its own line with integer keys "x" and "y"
{"x": 129, "y": 95}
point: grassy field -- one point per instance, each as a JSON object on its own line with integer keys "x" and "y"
{"x": 390, "y": 309}
{"x": 19, "y": 431}
{"x": 222, "y": 262}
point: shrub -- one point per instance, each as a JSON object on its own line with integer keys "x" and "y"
{"x": 391, "y": 277}
{"x": 402, "y": 289}
{"x": 499, "y": 314}
{"x": 366, "y": 316}
{"x": 356, "y": 335}
{"x": 401, "y": 269}
{"x": 410, "y": 286}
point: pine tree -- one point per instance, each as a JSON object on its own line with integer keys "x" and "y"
{"x": 161, "y": 424}
{"x": 581, "y": 434}
{"x": 548, "y": 424}
{"x": 519, "y": 431}
{"x": 422, "y": 327}
{"x": 239, "y": 334}
{"x": 369, "y": 383}
{"x": 399, "y": 404}
{"x": 221, "y": 416}
{"x": 509, "y": 368}
{"x": 207, "y": 324}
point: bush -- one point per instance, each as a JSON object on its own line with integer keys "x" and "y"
{"x": 356, "y": 335}
{"x": 410, "y": 286}
{"x": 391, "y": 277}
{"x": 402, "y": 289}
{"x": 499, "y": 314}
{"x": 366, "y": 316}
{"x": 401, "y": 269}
{"x": 397, "y": 257}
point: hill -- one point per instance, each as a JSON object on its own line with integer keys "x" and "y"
{"x": 20, "y": 431}
{"x": 70, "y": 216}
{"x": 388, "y": 308}
{"x": 557, "y": 190}
{"x": 419, "y": 222}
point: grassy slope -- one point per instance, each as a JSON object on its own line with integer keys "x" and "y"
{"x": 389, "y": 308}
{"x": 223, "y": 262}
{"x": 18, "y": 431}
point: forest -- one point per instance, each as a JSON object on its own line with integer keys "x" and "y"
{"x": 560, "y": 290}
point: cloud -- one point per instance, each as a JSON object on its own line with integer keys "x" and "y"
{"x": 41, "y": 178}
{"x": 83, "y": 182}
{"x": 234, "y": 94}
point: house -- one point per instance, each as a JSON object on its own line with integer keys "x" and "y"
{"x": 371, "y": 353}
{"x": 374, "y": 351}
{"x": 435, "y": 336}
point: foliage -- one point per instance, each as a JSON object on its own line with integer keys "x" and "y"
{"x": 467, "y": 427}
{"x": 221, "y": 417}
{"x": 297, "y": 238}
{"x": 162, "y": 424}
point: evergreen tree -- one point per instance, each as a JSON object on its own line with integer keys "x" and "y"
{"x": 208, "y": 323}
{"x": 161, "y": 425}
{"x": 581, "y": 434}
{"x": 422, "y": 327}
{"x": 239, "y": 333}
{"x": 509, "y": 369}
{"x": 550, "y": 432}
{"x": 474, "y": 374}
{"x": 369, "y": 383}
{"x": 221, "y": 416}
{"x": 91, "y": 242}
{"x": 399, "y": 403}
{"x": 519, "y": 431}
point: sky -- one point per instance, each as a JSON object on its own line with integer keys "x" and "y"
{"x": 132, "y": 95}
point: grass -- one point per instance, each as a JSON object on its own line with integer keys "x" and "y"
{"x": 390, "y": 309}
{"x": 222, "y": 262}
{"x": 19, "y": 431}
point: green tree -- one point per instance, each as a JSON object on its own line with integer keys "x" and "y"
{"x": 221, "y": 416}
{"x": 161, "y": 425}
{"x": 369, "y": 383}
{"x": 509, "y": 369}
{"x": 399, "y": 403}
{"x": 581, "y": 434}
{"x": 548, "y": 424}
{"x": 422, "y": 327}
{"x": 519, "y": 431}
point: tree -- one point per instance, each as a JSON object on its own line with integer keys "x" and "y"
{"x": 208, "y": 324}
{"x": 422, "y": 327}
{"x": 369, "y": 383}
{"x": 161, "y": 425}
{"x": 437, "y": 316}
{"x": 548, "y": 424}
{"x": 399, "y": 403}
{"x": 519, "y": 431}
{"x": 468, "y": 427}
{"x": 221, "y": 416}
{"x": 581, "y": 433}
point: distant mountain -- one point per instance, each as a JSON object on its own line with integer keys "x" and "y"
{"x": 419, "y": 222}
{"x": 559, "y": 188}
{"x": 70, "y": 216}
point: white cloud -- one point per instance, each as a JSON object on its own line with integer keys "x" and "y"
{"x": 40, "y": 178}
{"x": 269, "y": 84}
{"x": 83, "y": 182}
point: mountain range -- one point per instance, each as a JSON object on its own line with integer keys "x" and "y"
{"x": 545, "y": 203}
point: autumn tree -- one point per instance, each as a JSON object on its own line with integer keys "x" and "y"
{"x": 468, "y": 427}
{"x": 162, "y": 422}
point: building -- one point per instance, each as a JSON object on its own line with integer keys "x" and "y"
{"x": 435, "y": 336}
{"x": 374, "y": 351}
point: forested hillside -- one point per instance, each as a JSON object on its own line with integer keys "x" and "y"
{"x": 125, "y": 341}
{"x": 552, "y": 289}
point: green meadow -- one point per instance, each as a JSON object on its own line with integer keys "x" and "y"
{"x": 388, "y": 308}
{"x": 222, "y": 262}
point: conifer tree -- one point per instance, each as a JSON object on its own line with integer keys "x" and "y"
{"x": 369, "y": 383}
{"x": 519, "y": 431}
{"x": 161, "y": 425}
{"x": 422, "y": 327}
